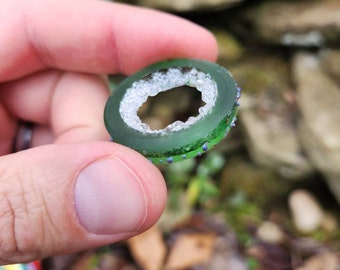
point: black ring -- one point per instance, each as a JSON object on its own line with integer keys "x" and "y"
{"x": 23, "y": 137}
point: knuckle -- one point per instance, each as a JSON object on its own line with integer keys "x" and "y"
{"x": 17, "y": 233}
{"x": 8, "y": 244}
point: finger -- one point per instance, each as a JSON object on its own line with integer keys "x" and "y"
{"x": 59, "y": 199}
{"x": 93, "y": 36}
{"x": 71, "y": 104}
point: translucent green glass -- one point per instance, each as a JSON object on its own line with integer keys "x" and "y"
{"x": 188, "y": 142}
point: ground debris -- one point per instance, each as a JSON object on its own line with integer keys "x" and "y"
{"x": 322, "y": 261}
{"x": 148, "y": 249}
{"x": 191, "y": 249}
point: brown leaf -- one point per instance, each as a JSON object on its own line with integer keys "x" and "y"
{"x": 191, "y": 249}
{"x": 148, "y": 249}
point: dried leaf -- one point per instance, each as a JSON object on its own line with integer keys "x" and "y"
{"x": 148, "y": 249}
{"x": 190, "y": 250}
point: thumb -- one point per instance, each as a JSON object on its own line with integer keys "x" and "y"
{"x": 58, "y": 199}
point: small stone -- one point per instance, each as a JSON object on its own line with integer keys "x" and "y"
{"x": 330, "y": 59}
{"x": 306, "y": 211}
{"x": 269, "y": 232}
{"x": 318, "y": 98}
{"x": 271, "y": 136}
{"x": 323, "y": 261}
{"x": 188, "y": 5}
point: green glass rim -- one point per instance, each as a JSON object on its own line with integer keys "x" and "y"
{"x": 170, "y": 145}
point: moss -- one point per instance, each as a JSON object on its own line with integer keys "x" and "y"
{"x": 258, "y": 74}
{"x": 258, "y": 185}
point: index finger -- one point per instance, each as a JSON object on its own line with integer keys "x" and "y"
{"x": 93, "y": 36}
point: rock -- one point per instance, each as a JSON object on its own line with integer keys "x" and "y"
{"x": 188, "y": 5}
{"x": 297, "y": 23}
{"x": 306, "y": 212}
{"x": 318, "y": 99}
{"x": 272, "y": 140}
{"x": 323, "y": 261}
{"x": 330, "y": 59}
{"x": 270, "y": 232}
{"x": 267, "y": 116}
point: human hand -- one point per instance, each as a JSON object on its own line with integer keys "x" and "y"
{"x": 75, "y": 190}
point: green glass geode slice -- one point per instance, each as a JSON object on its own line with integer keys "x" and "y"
{"x": 191, "y": 141}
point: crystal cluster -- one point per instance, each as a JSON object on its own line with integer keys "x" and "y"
{"x": 162, "y": 81}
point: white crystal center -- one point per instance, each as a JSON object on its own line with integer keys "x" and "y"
{"x": 159, "y": 82}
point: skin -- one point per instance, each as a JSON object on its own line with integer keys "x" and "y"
{"x": 53, "y": 55}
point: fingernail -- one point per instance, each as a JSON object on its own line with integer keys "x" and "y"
{"x": 109, "y": 198}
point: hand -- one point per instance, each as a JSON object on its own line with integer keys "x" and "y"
{"x": 75, "y": 190}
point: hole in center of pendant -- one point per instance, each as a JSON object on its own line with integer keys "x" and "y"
{"x": 176, "y": 104}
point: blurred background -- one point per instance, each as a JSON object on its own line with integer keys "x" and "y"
{"x": 267, "y": 197}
